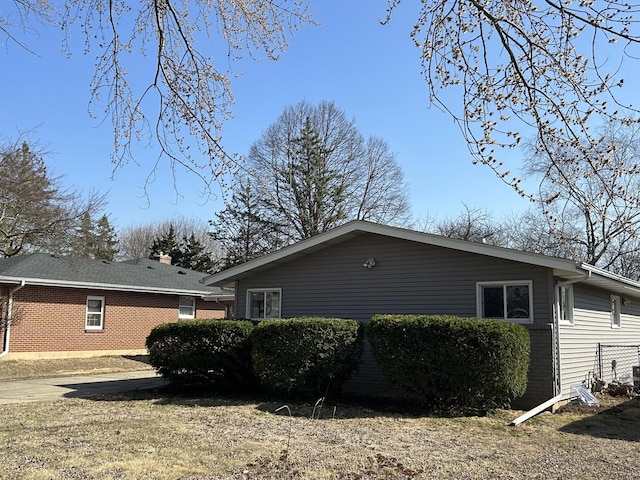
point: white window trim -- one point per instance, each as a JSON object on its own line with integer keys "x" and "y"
{"x": 479, "y": 298}
{"x": 615, "y": 313}
{"x": 568, "y": 307}
{"x": 190, "y": 316}
{"x": 257, "y": 290}
{"x": 86, "y": 314}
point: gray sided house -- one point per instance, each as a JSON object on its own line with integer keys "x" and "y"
{"x": 571, "y": 310}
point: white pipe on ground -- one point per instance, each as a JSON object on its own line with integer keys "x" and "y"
{"x": 534, "y": 411}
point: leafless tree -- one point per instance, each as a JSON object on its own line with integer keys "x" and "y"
{"x": 36, "y": 212}
{"x": 519, "y": 65}
{"x": 135, "y": 241}
{"x": 512, "y": 65}
{"x": 186, "y": 95}
{"x": 532, "y": 231}
{"x": 473, "y": 225}
{"x": 352, "y": 178}
{"x": 596, "y": 217}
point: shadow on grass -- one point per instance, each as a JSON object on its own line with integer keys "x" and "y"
{"x": 162, "y": 393}
{"x": 344, "y": 407}
{"x": 618, "y": 422}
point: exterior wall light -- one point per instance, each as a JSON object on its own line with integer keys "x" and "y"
{"x": 369, "y": 263}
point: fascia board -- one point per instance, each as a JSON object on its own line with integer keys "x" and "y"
{"x": 616, "y": 282}
{"x": 43, "y": 282}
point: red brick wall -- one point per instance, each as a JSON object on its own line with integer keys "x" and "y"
{"x": 52, "y": 319}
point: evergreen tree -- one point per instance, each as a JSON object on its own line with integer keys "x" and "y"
{"x": 106, "y": 242}
{"x": 242, "y": 228}
{"x": 194, "y": 255}
{"x": 315, "y": 199}
{"x": 36, "y": 212}
{"x": 316, "y": 171}
{"x": 95, "y": 240}
{"x": 167, "y": 244}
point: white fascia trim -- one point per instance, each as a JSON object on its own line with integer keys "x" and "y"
{"x": 401, "y": 233}
{"x": 618, "y": 279}
{"x": 43, "y": 282}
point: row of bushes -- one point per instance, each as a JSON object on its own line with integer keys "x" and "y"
{"x": 302, "y": 356}
{"x": 449, "y": 362}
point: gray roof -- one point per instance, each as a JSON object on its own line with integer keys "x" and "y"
{"x": 141, "y": 275}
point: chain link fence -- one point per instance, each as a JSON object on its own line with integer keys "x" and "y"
{"x": 615, "y": 363}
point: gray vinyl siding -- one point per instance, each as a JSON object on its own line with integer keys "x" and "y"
{"x": 408, "y": 277}
{"x": 592, "y": 325}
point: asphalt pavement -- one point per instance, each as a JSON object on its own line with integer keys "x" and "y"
{"x": 77, "y": 386}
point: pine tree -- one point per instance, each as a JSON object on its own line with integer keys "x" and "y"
{"x": 106, "y": 242}
{"x": 95, "y": 240}
{"x": 242, "y": 229}
{"x": 166, "y": 244}
{"x": 194, "y": 256}
{"x": 317, "y": 194}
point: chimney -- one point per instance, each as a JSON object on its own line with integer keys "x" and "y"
{"x": 162, "y": 258}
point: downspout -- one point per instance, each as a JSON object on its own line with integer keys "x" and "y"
{"x": 7, "y": 332}
{"x": 556, "y": 327}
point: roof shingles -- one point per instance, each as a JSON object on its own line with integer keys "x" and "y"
{"x": 140, "y": 274}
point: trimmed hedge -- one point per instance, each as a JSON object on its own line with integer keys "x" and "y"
{"x": 451, "y": 362}
{"x": 309, "y": 355}
{"x": 212, "y": 352}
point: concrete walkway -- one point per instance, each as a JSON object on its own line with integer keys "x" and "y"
{"x": 77, "y": 386}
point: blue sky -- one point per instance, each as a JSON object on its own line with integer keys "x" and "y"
{"x": 371, "y": 72}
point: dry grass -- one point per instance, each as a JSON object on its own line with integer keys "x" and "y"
{"x": 29, "y": 369}
{"x": 160, "y": 436}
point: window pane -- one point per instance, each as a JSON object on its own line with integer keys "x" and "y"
{"x": 94, "y": 306}
{"x": 257, "y": 305}
{"x": 615, "y": 311}
{"x": 517, "y": 301}
{"x": 272, "y": 309}
{"x": 493, "y": 302}
{"x": 94, "y": 320}
{"x": 186, "y": 307}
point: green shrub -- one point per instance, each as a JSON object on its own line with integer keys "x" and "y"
{"x": 306, "y": 355}
{"x": 453, "y": 362}
{"x": 212, "y": 352}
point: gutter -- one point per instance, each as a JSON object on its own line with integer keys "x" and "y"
{"x": 581, "y": 278}
{"x": 7, "y": 332}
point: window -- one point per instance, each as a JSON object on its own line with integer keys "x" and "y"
{"x": 615, "y": 311}
{"x": 262, "y": 304}
{"x": 506, "y": 300}
{"x": 564, "y": 303}
{"x": 94, "y": 317}
{"x": 187, "y": 307}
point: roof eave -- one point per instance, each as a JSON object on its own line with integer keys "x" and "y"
{"x": 358, "y": 226}
{"x": 104, "y": 286}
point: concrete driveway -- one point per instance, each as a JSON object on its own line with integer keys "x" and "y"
{"x": 77, "y": 386}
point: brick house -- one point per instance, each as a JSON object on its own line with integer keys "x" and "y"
{"x": 72, "y": 307}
